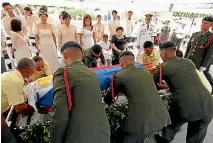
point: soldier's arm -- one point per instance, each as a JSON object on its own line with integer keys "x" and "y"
{"x": 60, "y": 116}
{"x": 208, "y": 56}
{"x": 118, "y": 88}
{"x": 188, "y": 46}
{"x": 156, "y": 77}
{"x": 88, "y": 62}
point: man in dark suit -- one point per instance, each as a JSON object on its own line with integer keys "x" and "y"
{"x": 147, "y": 114}
{"x": 191, "y": 101}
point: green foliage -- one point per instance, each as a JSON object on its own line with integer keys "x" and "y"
{"x": 78, "y": 12}
{"x": 116, "y": 113}
{"x": 190, "y": 15}
{"x": 37, "y": 133}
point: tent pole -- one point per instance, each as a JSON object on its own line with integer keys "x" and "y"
{"x": 193, "y": 20}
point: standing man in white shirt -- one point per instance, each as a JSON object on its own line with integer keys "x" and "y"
{"x": 31, "y": 20}
{"x": 128, "y": 26}
{"x": 113, "y": 24}
{"x": 11, "y": 15}
{"x": 180, "y": 33}
{"x": 145, "y": 33}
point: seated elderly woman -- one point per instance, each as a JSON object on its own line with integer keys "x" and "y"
{"x": 42, "y": 69}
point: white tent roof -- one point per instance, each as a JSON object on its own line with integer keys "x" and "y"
{"x": 200, "y": 6}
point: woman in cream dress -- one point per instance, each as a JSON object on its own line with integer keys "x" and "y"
{"x": 46, "y": 41}
{"x": 20, "y": 41}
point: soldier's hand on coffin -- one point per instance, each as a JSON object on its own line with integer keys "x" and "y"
{"x": 24, "y": 108}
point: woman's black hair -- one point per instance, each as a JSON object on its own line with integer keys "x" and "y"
{"x": 62, "y": 13}
{"x": 28, "y": 9}
{"x": 98, "y": 16}
{"x": 42, "y": 12}
{"x": 105, "y": 36}
{"x": 179, "y": 53}
{"x": 15, "y": 25}
{"x": 114, "y": 11}
{"x": 119, "y": 28}
{"x": 66, "y": 15}
{"x": 37, "y": 58}
{"x": 6, "y": 4}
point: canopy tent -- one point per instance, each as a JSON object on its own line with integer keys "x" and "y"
{"x": 198, "y": 6}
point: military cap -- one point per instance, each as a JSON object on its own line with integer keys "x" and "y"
{"x": 148, "y": 15}
{"x": 126, "y": 53}
{"x": 168, "y": 45}
{"x": 209, "y": 19}
{"x": 96, "y": 49}
{"x": 70, "y": 44}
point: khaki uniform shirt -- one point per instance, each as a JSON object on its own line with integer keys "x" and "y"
{"x": 99, "y": 31}
{"x": 153, "y": 58}
{"x": 6, "y": 24}
{"x": 45, "y": 72}
{"x": 67, "y": 33}
{"x": 12, "y": 92}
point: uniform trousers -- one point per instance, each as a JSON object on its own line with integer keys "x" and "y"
{"x": 125, "y": 137}
{"x": 196, "y": 130}
{"x": 6, "y": 134}
{"x": 209, "y": 76}
{"x": 3, "y": 66}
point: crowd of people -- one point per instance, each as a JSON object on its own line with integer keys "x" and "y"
{"x": 78, "y": 114}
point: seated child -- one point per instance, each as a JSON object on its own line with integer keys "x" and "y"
{"x": 107, "y": 51}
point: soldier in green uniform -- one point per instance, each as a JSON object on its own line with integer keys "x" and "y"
{"x": 78, "y": 115}
{"x": 93, "y": 55}
{"x": 147, "y": 114}
{"x": 200, "y": 45}
{"x": 191, "y": 101}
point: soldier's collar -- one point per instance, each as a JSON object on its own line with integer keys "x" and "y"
{"x": 201, "y": 34}
{"x": 171, "y": 58}
{"x": 128, "y": 65}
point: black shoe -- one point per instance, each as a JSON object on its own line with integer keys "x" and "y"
{"x": 159, "y": 139}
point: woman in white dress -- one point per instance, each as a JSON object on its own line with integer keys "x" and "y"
{"x": 46, "y": 41}
{"x": 20, "y": 45}
{"x": 87, "y": 33}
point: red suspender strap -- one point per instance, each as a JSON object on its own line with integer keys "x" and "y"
{"x": 112, "y": 86}
{"x": 161, "y": 74}
{"x": 68, "y": 91}
{"x": 209, "y": 41}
